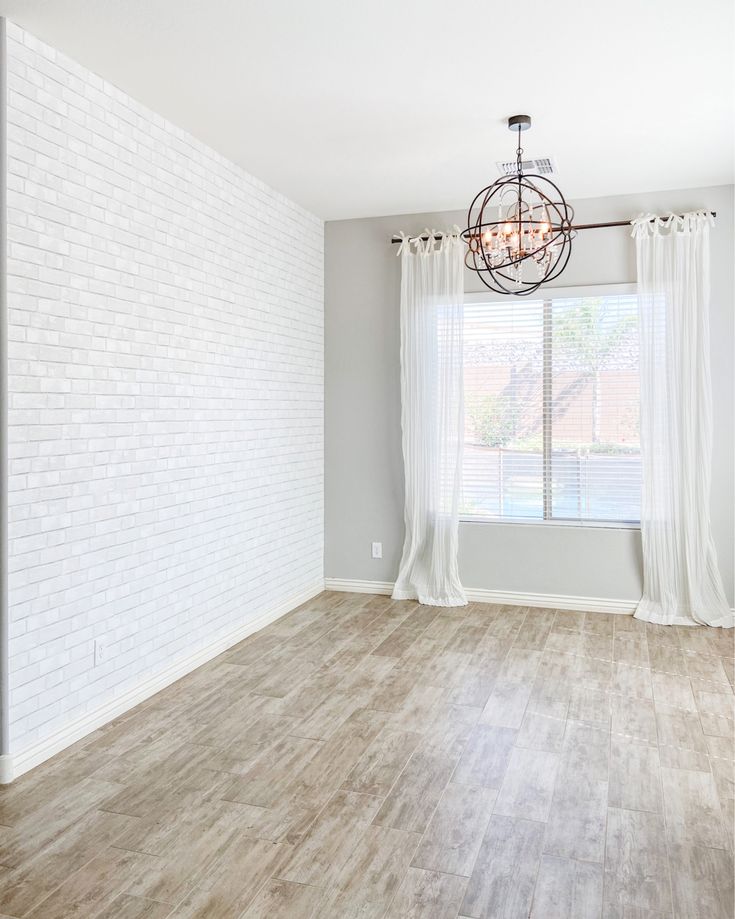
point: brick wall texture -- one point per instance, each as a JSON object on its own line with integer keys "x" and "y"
{"x": 165, "y": 392}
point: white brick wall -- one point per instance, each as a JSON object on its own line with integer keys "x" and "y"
{"x": 165, "y": 392}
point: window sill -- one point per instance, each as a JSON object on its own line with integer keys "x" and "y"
{"x": 575, "y": 524}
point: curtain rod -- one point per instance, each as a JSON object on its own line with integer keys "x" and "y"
{"x": 579, "y": 226}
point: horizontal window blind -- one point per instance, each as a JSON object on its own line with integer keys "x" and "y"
{"x": 551, "y": 401}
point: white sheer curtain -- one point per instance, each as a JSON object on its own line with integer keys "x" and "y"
{"x": 682, "y": 584}
{"x": 432, "y": 417}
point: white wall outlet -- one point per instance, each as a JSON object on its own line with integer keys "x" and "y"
{"x": 377, "y": 550}
{"x": 100, "y": 651}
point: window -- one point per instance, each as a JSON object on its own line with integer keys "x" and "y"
{"x": 551, "y": 402}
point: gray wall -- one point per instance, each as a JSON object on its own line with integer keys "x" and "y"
{"x": 364, "y": 474}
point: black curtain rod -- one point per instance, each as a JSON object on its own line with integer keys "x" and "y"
{"x": 579, "y": 226}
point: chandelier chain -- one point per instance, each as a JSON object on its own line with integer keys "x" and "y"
{"x": 519, "y": 153}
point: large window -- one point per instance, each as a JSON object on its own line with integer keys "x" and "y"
{"x": 551, "y": 401}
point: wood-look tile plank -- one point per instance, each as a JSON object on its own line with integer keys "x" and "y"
{"x": 446, "y": 668}
{"x": 285, "y": 900}
{"x": 378, "y": 768}
{"x": 42, "y": 872}
{"x": 419, "y": 708}
{"x": 329, "y": 767}
{"x": 466, "y": 639}
{"x": 717, "y": 725}
{"x": 662, "y": 634}
{"x": 320, "y": 855}
{"x": 629, "y": 625}
{"x": 502, "y": 883}
{"x": 577, "y": 818}
{"x": 191, "y": 853}
{"x": 543, "y": 730}
{"x": 50, "y": 820}
{"x": 93, "y": 887}
{"x": 592, "y": 706}
{"x": 597, "y": 645}
{"x": 632, "y": 680}
{"x": 186, "y": 767}
{"x": 453, "y": 837}
{"x": 415, "y": 794}
{"x": 715, "y": 703}
{"x": 233, "y": 884}
{"x": 528, "y": 785}
{"x": 692, "y": 808}
{"x": 567, "y": 889}
{"x": 390, "y": 693}
{"x": 631, "y": 650}
{"x": 569, "y": 619}
{"x": 706, "y": 667}
{"x": 702, "y": 882}
{"x": 427, "y": 895}
{"x": 127, "y": 907}
{"x": 561, "y": 639}
{"x": 674, "y": 691}
{"x": 601, "y": 623}
{"x": 594, "y": 672}
{"x": 633, "y": 719}
{"x": 324, "y": 720}
{"x": 398, "y": 642}
{"x": 506, "y": 705}
{"x": 476, "y": 682}
{"x": 520, "y": 665}
{"x": 372, "y": 875}
{"x": 667, "y": 658}
{"x": 485, "y": 757}
{"x": 635, "y": 777}
{"x": 636, "y": 861}
{"x": 266, "y": 779}
{"x": 682, "y": 743}
{"x": 37, "y": 789}
{"x": 451, "y": 728}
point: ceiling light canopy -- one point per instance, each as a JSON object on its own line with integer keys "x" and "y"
{"x": 519, "y": 228}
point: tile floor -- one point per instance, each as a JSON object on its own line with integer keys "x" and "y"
{"x": 368, "y": 758}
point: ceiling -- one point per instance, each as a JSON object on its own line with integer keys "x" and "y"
{"x": 399, "y": 106}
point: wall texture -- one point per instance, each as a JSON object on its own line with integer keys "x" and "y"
{"x": 364, "y": 473}
{"x": 165, "y": 393}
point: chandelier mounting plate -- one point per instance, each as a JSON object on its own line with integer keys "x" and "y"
{"x": 519, "y": 122}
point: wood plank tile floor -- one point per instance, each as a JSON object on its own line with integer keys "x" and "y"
{"x": 369, "y": 758}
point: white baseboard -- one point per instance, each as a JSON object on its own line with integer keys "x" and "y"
{"x": 359, "y": 587}
{"x": 6, "y": 769}
{"x": 504, "y": 597}
{"x": 15, "y": 765}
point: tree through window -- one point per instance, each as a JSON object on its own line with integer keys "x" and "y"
{"x": 551, "y": 396}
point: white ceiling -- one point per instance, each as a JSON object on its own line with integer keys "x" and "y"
{"x": 399, "y": 106}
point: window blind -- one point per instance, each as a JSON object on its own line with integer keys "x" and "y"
{"x": 551, "y": 409}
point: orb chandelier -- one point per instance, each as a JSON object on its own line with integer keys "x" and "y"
{"x": 519, "y": 229}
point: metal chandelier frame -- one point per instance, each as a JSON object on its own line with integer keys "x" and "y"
{"x": 535, "y": 228}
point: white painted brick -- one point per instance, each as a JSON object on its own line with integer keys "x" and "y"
{"x": 166, "y": 392}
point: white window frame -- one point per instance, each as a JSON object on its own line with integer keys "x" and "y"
{"x": 587, "y": 290}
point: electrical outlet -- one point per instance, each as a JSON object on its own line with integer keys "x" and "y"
{"x": 377, "y": 550}
{"x": 100, "y": 651}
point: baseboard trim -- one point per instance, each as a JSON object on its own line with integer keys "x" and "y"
{"x": 358, "y": 587}
{"x": 13, "y": 766}
{"x": 504, "y": 597}
{"x": 6, "y": 769}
